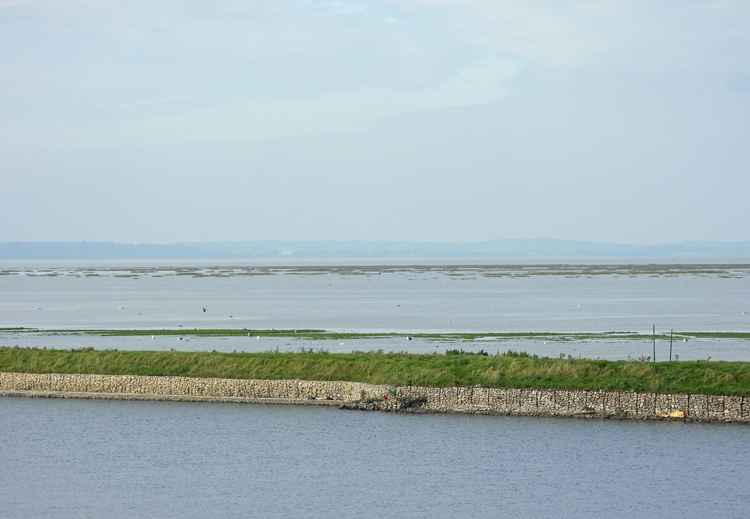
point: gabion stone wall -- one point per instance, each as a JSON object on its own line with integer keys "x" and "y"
{"x": 476, "y": 400}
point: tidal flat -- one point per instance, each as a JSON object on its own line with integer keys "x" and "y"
{"x": 582, "y": 310}
{"x": 453, "y": 271}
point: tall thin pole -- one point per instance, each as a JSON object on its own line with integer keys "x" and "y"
{"x": 653, "y": 338}
{"x": 670, "y": 345}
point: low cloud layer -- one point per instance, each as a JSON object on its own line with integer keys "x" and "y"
{"x": 405, "y": 119}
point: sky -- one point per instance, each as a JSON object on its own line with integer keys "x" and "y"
{"x": 424, "y": 120}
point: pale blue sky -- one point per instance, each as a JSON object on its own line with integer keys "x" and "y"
{"x": 403, "y": 119}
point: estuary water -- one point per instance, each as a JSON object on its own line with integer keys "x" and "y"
{"x": 88, "y": 459}
{"x": 379, "y": 297}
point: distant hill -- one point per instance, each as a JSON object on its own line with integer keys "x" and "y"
{"x": 531, "y": 249}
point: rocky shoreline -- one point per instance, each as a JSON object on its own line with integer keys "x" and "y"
{"x": 370, "y": 397}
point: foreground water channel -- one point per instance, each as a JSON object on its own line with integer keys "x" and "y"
{"x": 78, "y": 459}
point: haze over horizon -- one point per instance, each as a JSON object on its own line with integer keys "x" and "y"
{"x": 405, "y": 120}
{"x": 500, "y": 250}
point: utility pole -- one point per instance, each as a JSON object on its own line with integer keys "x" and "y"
{"x": 653, "y": 338}
{"x": 670, "y": 345}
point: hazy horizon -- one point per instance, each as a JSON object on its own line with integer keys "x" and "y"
{"x": 405, "y": 120}
{"x": 500, "y": 250}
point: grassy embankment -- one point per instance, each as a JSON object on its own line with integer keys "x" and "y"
{"x": 508, "y": 370}
{"x": 314, "y": 334}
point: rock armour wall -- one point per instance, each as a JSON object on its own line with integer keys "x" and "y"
{"x": 476, "y": 400}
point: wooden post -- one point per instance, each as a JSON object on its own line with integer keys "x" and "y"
{"x": 670, "y": 345}
{"x": 653, "y": 338}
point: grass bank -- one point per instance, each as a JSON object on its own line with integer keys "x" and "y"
{"x": 506, "y": 370}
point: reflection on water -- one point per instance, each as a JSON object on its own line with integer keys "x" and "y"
{"x": 71, "y": 459}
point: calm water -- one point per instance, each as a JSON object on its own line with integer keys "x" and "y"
{"x": 411, "y": 299}
{"x": 383, "y": 298}
{"x": 90, "y": 459}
